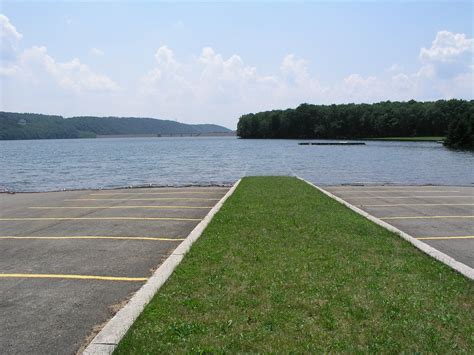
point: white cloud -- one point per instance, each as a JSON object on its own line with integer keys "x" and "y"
{"x": 165, "y": 75}
{"x": 200, "y": 75}
{"x": 8, "y": 32}
{"x": 211, "y": 85}
{"x": 446, "y": 71}
{"x": 165, "y": 85}
{"x": 204, "y": 87}
{"x": 36, "y": 65}
{"x": 449, "y": 57}
{"x": 214, "y": 68}
{"x": 165, "y": 58}
{"x": 10, "y": 70}
{"x": 294, "y": 70}
{"x": 9, "y": 38}
{"x": 355, "y": 83}
{"x": 97, "y": 52}
{"x": 447, "y": 47}
{"x": 402, "y": 81}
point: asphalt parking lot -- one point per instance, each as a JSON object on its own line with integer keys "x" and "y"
{"x": 441, "y": 216}
{"x": 69, "y": 260}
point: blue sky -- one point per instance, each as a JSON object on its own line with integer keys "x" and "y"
{"x": 212, "y": 62}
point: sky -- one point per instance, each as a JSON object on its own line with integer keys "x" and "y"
{"x": 213, "y": 62}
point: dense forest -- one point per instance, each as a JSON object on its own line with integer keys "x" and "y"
{"x": 453, "y": 119}
{"x": 36, "y": 126}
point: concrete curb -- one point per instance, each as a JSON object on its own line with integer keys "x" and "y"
{"x": 445, "y": 259}
{"x": 108, "y": 338}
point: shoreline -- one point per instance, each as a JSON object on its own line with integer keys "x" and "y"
{"x": 128, "y": 187}
{"x": 223, "y": 185}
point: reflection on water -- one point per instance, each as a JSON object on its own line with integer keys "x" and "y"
{"x": 113, "y": 162}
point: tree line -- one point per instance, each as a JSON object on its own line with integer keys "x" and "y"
{"x": 453, "y": 119}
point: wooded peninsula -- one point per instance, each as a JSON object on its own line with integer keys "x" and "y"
{"x": 453, "y": 119}
{"x": 36, "y": 126}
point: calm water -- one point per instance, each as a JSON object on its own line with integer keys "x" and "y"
{"x": 105, "y": 163}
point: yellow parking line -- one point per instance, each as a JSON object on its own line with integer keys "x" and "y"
{"x": 94, "y": 237}
{"x": 441, "y": 238}
{"x": 388, "y": 197}
{"x": 74, "y": 277}
{"x": 424, "y": 217}
{"x": 153, "y": 193}
{"x": 144, "y": 199}
{"x": 120, "y": 207}
{"x": 100, "y": 218}
{"x": 420, "y": 204}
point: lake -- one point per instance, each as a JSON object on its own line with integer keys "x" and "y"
{"x": 49, "y": 165}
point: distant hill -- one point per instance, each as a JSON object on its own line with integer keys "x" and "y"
{"x": 36, "y": 126}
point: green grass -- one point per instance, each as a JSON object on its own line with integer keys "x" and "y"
{"x": 408, "y": 139}
{"x": 283, "y": 268}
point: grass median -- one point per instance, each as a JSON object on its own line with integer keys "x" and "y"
{"x": 283, "y": 268}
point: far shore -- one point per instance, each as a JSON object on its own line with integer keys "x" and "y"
{"x": 217, "y": 134}
{"x": 408, "y": 139}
